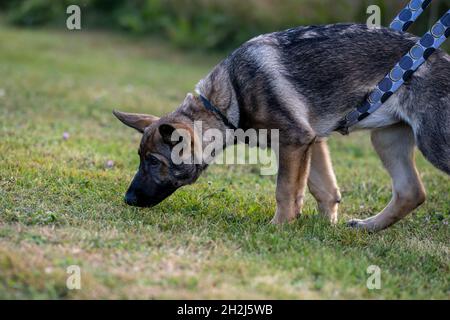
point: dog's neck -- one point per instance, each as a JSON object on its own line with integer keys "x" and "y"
{"x": 217, "y": 88}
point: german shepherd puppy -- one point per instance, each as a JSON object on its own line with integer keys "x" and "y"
{"x": 303, "y": 81}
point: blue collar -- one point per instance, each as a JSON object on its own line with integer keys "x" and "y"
{"x": 209, "y": 106}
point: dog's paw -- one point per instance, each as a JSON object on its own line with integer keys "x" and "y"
{"x": 280, "y": 220}
{"x": 366, "y": 224}
{"x": 333, "y": 218}
{"x": 275, "y": 222}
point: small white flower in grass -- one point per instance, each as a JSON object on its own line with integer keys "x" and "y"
{"x": 66, "y": 136}
{"x": 48, "y": 270}
{"x": 2, "y": 92}
{"x": 109, "y": 164}
{"x": 445, "y": 222}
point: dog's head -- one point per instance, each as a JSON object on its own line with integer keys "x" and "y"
{"x": 159, "y": 175}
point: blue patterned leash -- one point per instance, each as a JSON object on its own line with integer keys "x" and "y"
{"x": 402, "y": 71}
{"x": 409, "y": 14}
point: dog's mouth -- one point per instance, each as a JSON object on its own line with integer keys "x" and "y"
{"x": 139, "y": 203}
{"x": 134, "y": 202}
{"x": 137, "y": 199}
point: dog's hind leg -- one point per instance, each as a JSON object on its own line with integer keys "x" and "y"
{"x": 322, "y": 181}
{"x": 395, "y": 146}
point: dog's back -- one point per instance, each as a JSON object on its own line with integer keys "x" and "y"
{"x": 334, "y": 67}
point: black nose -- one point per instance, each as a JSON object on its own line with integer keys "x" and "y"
{"x": 130, "y": 199}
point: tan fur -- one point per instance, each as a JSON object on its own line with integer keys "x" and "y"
{"x": 322, "y": 181}
{"x": 293, "y": 173}
{"x": 395, "y": 146}
{"x": 311, "y": 164}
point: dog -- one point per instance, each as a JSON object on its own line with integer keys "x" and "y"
{"x": 303, "y": 81}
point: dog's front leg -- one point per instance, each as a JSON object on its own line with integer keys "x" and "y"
{"x": 293, "y": 164}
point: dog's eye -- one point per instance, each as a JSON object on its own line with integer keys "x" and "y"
{"x": 153, "y": 160}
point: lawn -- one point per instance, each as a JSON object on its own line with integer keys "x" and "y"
{"x": 61, "y": 200}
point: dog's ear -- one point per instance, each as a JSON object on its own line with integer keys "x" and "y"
{"x": 191, "y": 143}
{"x": 166, "y": 130}
{"x": 185, "y": 133}
{"x": 135, "y": 120}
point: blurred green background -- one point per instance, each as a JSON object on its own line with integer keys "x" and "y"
{"x": 207, "y": 24}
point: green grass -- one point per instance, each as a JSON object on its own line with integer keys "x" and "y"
{"x": 60, "y": 205}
